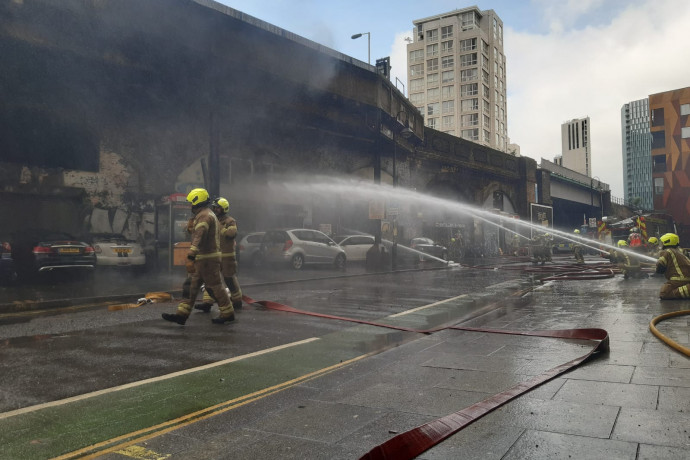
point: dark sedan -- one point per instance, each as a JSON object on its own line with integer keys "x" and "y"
{"x": 428, "y": 246}
{"x": 37, "y": 251}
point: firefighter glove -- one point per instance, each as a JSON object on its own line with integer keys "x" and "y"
{"x": 189, "y": 266}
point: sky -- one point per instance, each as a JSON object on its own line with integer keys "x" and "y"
{"x": 566, "y": 59}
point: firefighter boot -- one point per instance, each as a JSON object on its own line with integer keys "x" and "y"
{"x": 175, "y": 318}
{"x": 222, "y": 319}
{"x": 205, "y": 307}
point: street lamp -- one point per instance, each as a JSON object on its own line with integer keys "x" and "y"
{"x": 405, "y": 132}
{"x": 356, "y": 36}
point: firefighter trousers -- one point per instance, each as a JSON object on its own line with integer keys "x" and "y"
{"x": 207, "y": 272}
{"x": 675, "y": 290}
{"x": 229, "y": 272}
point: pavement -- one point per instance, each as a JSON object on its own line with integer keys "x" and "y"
{"x": 339, "y": 396}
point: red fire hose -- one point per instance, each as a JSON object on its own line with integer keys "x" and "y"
{"x": 418, "y": 440}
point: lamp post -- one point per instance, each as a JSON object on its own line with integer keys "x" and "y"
{"x": 356, "y": 36}
{"x": 405, "y": 132}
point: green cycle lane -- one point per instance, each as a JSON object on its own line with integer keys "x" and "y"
{"x": 111, "y": 419}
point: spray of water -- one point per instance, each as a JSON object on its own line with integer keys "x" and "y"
{"x": 304, "y": 189}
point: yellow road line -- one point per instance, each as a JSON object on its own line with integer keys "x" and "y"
{"x": 144, "y": 434}
{"x": 25, "y": 410}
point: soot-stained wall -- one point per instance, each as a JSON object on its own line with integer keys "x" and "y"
{"x": 120, "y": 102}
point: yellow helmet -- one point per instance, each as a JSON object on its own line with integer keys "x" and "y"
{"x": 653, "y": 240}
{"x": 670, "y": 239}
{"x": 576, "y": 231}
{"x": 622, "y": 243}
{"x": 198, "y": 196}
{"x": 222, "y": 203}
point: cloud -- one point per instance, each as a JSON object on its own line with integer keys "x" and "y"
{"x": 592, "y": 72}
{"x": 398, "y": 54}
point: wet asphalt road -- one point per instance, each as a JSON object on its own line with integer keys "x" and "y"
{"x": 625, "y": 403}
{"x": 67, "y": 352}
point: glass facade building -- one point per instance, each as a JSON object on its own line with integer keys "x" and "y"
{"x": 637, "y": 154}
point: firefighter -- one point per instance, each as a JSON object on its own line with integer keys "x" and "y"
{"x": 628, "y": 265}
{"x": 456, "y": 247}
{"x": 577, "y": 250}
{"x": 515, "y": 244}
{"x": 189, "y": 265}
{"x": 635, "y": 240}
{"x": 547, "y": 242}
{"x": 204, "y": 252}
{"x": 228, "y": 266}
{"x": 538, "y": 249}
{"x": 676, "y": 268}
{"x": 653, "y": 247}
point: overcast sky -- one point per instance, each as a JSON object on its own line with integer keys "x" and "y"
{"x": 565, "y": 58}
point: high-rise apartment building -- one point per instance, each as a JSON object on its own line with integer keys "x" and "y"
{"x": 456, "y": 75}
{"x": 670, "y": 127}
{"x": 637, "y": 154}
{"x": 576, "y": 147}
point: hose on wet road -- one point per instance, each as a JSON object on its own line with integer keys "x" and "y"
{"x": 671, "y": 343}
{"x": 414, "y": 442}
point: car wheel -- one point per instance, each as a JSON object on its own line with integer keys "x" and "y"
{"x": 340, "y": 261}
{"x": 297, "y": 261}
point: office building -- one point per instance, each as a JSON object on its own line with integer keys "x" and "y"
{"x": 637, "y": 154}
{"x": 456, "y": 74}
{"x": 576, "y": 146}
{"x": 670, "y": 128}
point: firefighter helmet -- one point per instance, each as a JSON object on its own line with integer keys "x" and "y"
{"x": 670, "y": 240}
{"x": 653, "y": 240}
{"x": 576, "y": 231}
{"x": 222, "y": 203}
{"x": 622, "y": 243}
{"x": 198, "y": 197}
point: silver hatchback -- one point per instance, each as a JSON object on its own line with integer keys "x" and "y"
{"x": 300, "y": 246}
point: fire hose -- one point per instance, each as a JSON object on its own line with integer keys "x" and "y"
{"x": 564, "y": 271}
{"x": 664, "y": 338}
{"x": 414, "y": 442}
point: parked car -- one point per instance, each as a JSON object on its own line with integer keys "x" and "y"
{"x": 428, "y": 246}
{"x": 8, "y": 273}
{"x": 249, "y": 249}
{"x": 301, "y": 246}
{"x": 114, "y": 250}
{"x": 35, "y": 251}
{"x": 562, "y": 246}
{"x": 355, "y": 246}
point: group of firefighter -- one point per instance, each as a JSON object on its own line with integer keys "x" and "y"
{"x": 211, "y": 260}
{"x": 671, "y": 260}
{"x": 212, "y": 263}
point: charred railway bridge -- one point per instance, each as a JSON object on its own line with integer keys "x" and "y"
{"x": 111, "y": 105}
